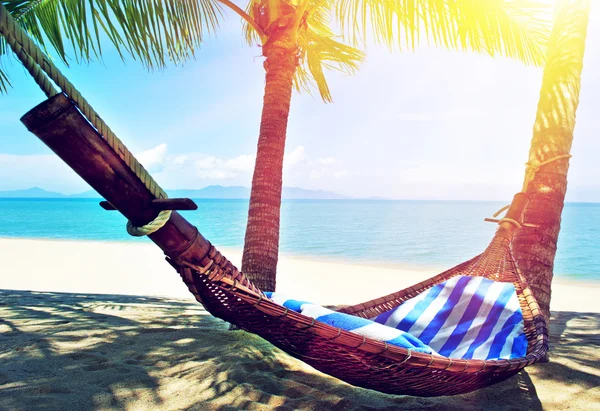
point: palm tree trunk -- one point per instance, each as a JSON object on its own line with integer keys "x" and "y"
{"x": 535, "y": 248}
{"x": 261, "y": 245}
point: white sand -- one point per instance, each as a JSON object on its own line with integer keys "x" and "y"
{"x": 113, "y": 351}
{"x": 139, "y": 268}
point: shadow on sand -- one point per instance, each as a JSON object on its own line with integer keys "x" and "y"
{"x": 72, "y": 351}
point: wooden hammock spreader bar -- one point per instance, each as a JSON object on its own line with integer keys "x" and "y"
{"x": 161, "y": 204}
{"x": 63, "y": 128}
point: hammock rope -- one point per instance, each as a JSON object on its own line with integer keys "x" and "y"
{"x": 151, "y": 227}
{"x": 530, "y": 173}
{"x": 43, "y": 70}
{"x": 533, "y": 168}
{"x": 497, "y": 213}
{"x": 32, "y": 67}
{"x": 512, "y": 221}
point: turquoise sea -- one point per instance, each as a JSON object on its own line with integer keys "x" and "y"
{"x": 409, "y": 233}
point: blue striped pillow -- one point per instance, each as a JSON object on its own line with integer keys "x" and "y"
{"x": 464, "y": 317}
{"x": 357, "y": 325}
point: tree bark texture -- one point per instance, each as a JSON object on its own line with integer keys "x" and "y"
{"x": 535, "y": 248}
{"x": 261, "y": 245}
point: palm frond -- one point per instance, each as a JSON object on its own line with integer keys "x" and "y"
{"x": 151, "y": 31}
{"x": 4, "y": 80}
{"x": 250, "y": 35}
{"x": 511, "y": 28}
{"x": 319, "y": 47}
{"x": 359, "y": 17}
{"x": 322, "y": 51}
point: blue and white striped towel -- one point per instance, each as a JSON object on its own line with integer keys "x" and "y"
{"x": 464, "y": 317}
{"x": 351, "y": 323}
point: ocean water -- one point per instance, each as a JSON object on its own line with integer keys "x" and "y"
{"x": 409, "y": 233}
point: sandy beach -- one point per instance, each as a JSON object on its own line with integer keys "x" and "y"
{"x": 100, "y": 325}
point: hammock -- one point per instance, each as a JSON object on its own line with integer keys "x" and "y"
{"x": 74, "y": 131}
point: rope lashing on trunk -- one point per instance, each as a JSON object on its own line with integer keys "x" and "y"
{"x": 153, "y": 226}
{"x": 512, "y": 221}
{"x": 43, "y": 70}
{"x": 531, "y": 170}
{"x": 497, "y": 213}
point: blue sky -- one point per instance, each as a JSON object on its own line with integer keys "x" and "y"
{"x": 429, "y": 124}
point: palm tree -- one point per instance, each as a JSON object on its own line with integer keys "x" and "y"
{"x": 535, "y": 248}
{"x": 299, "y": 44}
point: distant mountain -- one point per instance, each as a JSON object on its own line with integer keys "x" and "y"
{"x": 34, "y": 192}
{"x": 297, "y": 193}
{"x": 215, "y": 192}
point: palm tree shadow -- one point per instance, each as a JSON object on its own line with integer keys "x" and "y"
{"x": 73, "y": 351}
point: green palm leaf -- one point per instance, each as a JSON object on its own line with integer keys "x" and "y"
{"x": 151, "y": 31}
{"x": 322, "y": 51}
{"x": 512, "y": 28}
{"x": 158, "y": 31}
{"x": 516, "y": 29}
{"x": 4, "y": 81}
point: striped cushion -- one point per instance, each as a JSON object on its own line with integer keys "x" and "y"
{"x": 357, "y": 325}
{"x": 464, "y": 317}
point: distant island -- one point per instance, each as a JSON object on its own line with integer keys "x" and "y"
{"x": 34, "y": 192}
{"x": 209, "y": 192}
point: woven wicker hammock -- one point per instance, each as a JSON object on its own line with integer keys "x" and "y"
{"x": 363, "y": 362}
{"x": 73, "y": 130}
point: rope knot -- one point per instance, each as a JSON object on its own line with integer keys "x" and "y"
{"x": 533, "y": 168}
{"x": 512, "y": 221}
{"x": 152, "y": 227}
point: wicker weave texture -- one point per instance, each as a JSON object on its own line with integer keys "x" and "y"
{"x": 360, "y": 361}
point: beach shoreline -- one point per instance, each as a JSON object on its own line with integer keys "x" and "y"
{"x": 110, "y": 325}
{"x": 234, "y": 255}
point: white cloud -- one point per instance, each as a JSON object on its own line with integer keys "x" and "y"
{"x": 217, "y": 168}
{"x": 315, "y": 175}
{"x": 179, "y": 160}
{"x": 153, "y": 159}
{"x": 185, "y": 170}
{"x": 215, "y": 174}
{"x": 326, "y": 161}
{"x": 290, "y": 160}
{"x": 204, "y": 167}
{"x": 170, "y": 170}
{"x": 412, "y": 117}
{"x": 319, "y": 173}
{"x": 208, "y": 163}
{"x": 243, "y": 163}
